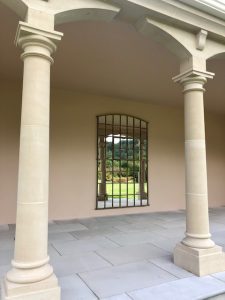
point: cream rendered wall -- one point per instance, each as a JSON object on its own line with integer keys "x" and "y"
{"x": 73, "y": 153}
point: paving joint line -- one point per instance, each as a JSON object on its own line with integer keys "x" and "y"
{"x": 102, "y": 257}
{"x": 87, "y": 285}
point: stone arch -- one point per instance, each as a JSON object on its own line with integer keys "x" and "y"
{"x": 220, "y": 55}
{"x": 99, "y": 10}
{"x": 170, "y": 37}
{"x": 83, "y": 14}
{"x": 18, "y": 6}
{"x": 93, "y": 10}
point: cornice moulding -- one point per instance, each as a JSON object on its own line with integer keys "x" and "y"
{"x": 193, "y": 73}
{"x": 26, "y": 29}
{"x": 213, "y": 7}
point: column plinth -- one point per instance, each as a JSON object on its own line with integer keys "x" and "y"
{"x": 196, "y": 253}
{"x": 31, "y": 276}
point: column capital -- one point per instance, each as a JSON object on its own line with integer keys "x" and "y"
{"x": 25, "y": 29}
{"x": 195, "y": 83}
{"x": 191, "y": 73}
{"x": 193, "y": 80}
{"x": 33, "y": 38}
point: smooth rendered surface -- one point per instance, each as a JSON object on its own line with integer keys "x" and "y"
{"x": 69, "y": 110}
{"x": 72, "y": 190}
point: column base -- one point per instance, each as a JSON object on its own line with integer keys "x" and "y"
{"x": 47, "y": 289}
{"x": 200, "y": 261}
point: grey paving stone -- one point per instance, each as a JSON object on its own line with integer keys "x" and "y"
{"x": 74, "y": 288}
{"x": 217, "y": 218}
{"x": 192, "y": 288}
{"x": 7, "y": 243}
{"x": 91, "y": 223}
{"x": 69, "y": 265}
{"x": 7, "y": 234}
{"x": 118, "y": 297}
{"x": 4, "y": 227}
{"x": 131, "y": 238}
{"x": 217, "y": 297}
{"x": 217, "y": 227}
{"x": 104, "y": 222}
{"x": 121, "y": 240}
{"x": 60, "y": 236}
{"x": 170, "y": 221}
{"x": 178, "y": 225}
{"x": 112, "y": 222}
{"x": 219, "y": 237}
{"x": 53, "y": 227}
{"x": 6, "y": 257}
{"x": 131, "y": 253}
{"x": 166, "y": 263}
{"x": 120, "y": 279}
{"x": 177, "y": 232}
{"x": 91, "y": 233}
{"x": 167, "y": 244}
{"x": 174, "y": 216}
{"x": 137, "y": 227}
{"x": 69, "y": 221}
{"x": 81, "y": 246}
{"x": 7, "y": 240}
{"x": 124, "y": 218}
{"x": 131, "y": 218}
{"x": 140, "y": 218}
{"x": 66, "y": 227}
{"x": 120, "y": 220}
{"x": 220, "y": 276}
{"x": 53, "y": 254}
{"x": 3, "y": 270}
{"x": 12, "y": 228}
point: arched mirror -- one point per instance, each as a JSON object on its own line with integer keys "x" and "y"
{"x": 122, "y": 161}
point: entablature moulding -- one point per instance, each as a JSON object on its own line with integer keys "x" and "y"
{"x": 191, "y": 33}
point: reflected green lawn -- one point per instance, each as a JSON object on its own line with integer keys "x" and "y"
{"x": 116, "y": 189}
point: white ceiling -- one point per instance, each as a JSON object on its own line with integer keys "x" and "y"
{"x": 110, "y": 59}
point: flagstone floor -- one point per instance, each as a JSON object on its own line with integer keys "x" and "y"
{"x": 123, "y": 257}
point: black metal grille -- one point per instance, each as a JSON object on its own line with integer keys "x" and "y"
{"x": 122, "y": 161}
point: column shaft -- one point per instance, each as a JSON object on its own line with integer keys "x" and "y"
{"x": 197, "y": 234}
{"x": 30, "y": 262}
{"x": 197, "y": 253}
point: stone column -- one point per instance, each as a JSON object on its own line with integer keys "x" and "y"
{"x": 197, "y": 252}
{"x": 102, "y": 186}
{"x": 31, "y": 276}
